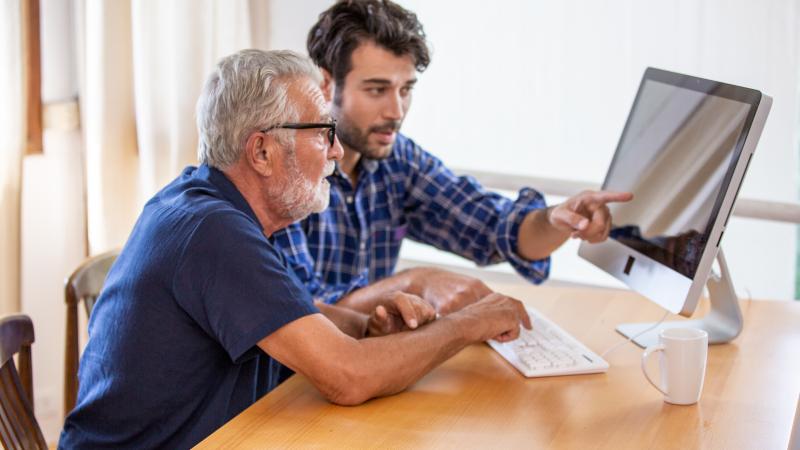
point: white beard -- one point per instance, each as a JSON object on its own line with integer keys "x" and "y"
{"x": 302, "y": 197}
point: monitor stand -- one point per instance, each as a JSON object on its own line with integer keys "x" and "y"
{"x": 723, "y": 321}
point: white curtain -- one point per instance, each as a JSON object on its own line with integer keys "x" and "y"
{"x": 11, "y": 151}
{"x": 142, "y": 66}
{"x": 108, "y": 120}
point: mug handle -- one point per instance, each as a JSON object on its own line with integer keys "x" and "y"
{"x": 649, "y": 351}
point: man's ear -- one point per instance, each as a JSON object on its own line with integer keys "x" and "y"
{"x": 259, "y": 151}
{"x": 328, "y": 85}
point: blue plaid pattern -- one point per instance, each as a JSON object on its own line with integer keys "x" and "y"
{"x": 411, "y": 194}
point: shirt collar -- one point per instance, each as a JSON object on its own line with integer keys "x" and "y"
{"x": 369, "y": 165}
{"x": 227, "y": 189}
{"x": 366, "y": 165}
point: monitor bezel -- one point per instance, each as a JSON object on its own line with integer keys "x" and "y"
{"x": 662, "y": 284}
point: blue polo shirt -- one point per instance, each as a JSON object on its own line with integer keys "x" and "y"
{"x": 172, "y": 352}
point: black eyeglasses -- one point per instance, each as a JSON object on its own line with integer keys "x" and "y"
{"x": 307, "y": 126}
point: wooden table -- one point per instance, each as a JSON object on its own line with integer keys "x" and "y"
{"x": 477, "y": 400}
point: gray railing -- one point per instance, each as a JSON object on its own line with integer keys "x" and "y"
{"x": 755, "y": 209}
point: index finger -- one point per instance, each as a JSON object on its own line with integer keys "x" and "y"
{"x": 526, "y": 319}
{"x": 609, "y": 197}
{"x": 414, "y": 310}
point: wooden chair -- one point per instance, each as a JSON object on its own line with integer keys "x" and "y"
{"x": 18, "y": 426}
{"x": 83, "y": 285}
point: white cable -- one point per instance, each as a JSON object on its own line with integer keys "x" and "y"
{"x": 617, "y": 345}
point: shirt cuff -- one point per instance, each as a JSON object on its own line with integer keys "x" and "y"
{"x": 508, "y": 236}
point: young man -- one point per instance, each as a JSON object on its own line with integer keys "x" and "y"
{"x": 200, "y": 310}
{"x": 387, "y": 188}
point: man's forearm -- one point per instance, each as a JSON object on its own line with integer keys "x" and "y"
{"x": 351, "y": 323}
{"x": 349, "y": 371}
{"x": 380, "y": 366}
{"x": 367, "y": 298}
{"x": 537, "y": 239}
{"x": 414, "y": 354}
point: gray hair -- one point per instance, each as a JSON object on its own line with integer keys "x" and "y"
{"x": 246, "y": 91}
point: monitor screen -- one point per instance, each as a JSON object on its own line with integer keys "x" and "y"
{"x": 678, "y": 150}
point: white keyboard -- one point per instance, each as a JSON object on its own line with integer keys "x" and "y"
{"x": 547, "y": 350}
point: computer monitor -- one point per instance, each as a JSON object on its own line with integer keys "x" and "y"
{"x": 683, "y": 154}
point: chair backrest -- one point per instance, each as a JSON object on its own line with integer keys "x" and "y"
{"x": 84, "y": 285}
{"x": 18, "y": 426}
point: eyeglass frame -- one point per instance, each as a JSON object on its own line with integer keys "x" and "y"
{"x": 307, "y": 126}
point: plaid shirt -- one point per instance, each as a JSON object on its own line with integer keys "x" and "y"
{"x": 411, "y": 194}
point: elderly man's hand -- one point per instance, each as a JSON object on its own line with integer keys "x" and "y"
{"x": 586, "y": 215}
{"x": 399, "y": 312}
{"x": 495, "y": 316}
{"x": 447, "y": 291}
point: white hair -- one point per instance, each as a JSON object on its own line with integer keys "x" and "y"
{"x": 247, "y": 91}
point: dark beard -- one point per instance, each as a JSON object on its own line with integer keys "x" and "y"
{"x": 356, "y": 139}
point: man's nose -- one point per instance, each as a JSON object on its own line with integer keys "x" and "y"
{"x": 336, "y": 151}
{"x": 394, "y": 108}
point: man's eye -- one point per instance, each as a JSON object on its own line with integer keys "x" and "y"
{"x": 376, "y": 90}
{"x": 406, "y": 90}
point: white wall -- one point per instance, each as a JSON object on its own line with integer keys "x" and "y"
{"x": 289, "y": 23}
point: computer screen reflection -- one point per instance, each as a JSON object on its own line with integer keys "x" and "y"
{"x": 674, "y": 155}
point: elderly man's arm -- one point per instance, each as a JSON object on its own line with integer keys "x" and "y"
{"x": 349, "y": 371}
{"x": 348, "y": 321}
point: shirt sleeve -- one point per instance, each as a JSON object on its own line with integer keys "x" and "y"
{"x": 293, "y": 244}
{"x": 235, "y": 285}
{"x": 456, "y": 214}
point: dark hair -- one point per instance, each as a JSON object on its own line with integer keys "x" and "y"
{"x": 348, "y": 23}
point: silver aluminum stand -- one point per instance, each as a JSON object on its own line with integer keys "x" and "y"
{"x": 723, "y": 322}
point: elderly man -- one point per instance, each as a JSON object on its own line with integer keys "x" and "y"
{"x": 387, "y": 187}
{"x": 200, "y": 308}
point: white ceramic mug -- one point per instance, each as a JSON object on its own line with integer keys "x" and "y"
{"x": 683, "y": 364}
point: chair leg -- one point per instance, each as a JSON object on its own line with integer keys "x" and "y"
{"x": 71, "y": 360}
